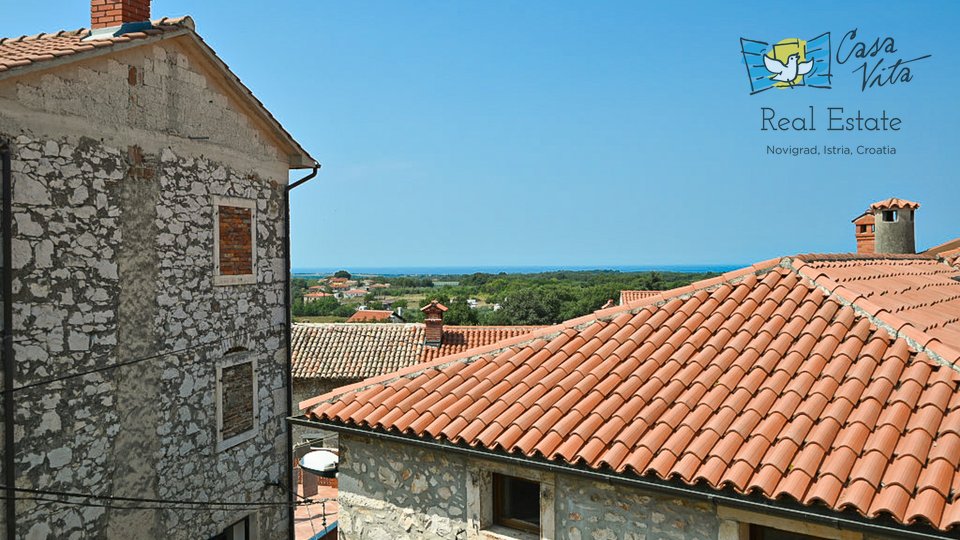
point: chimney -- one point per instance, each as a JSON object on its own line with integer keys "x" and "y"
{"x": 113, "y": 13}
{"x": 433, "y": 319}
{"x": 865, "y": 232}
{"x": 893, "y": 221}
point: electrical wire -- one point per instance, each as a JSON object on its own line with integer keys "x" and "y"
{"x": 116, "y": 365}
{"x": 152, "y": 503}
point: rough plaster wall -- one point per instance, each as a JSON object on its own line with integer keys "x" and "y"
{"x": 154, "y": 88}
{"x": 396, "y": 492}
{"x": 75, "y": 260}
{"x": 137, "y": 337}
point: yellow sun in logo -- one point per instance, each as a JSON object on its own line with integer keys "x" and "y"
{"x": 781, "y": 52}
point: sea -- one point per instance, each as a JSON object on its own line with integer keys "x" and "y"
{"x": 462, "y": 270}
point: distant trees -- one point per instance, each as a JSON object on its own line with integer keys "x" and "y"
{"x": 326, "y": 306}
{"x": 529, "y": 299}
{"x": 342, "y": 274}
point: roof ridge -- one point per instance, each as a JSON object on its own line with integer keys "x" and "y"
{"x": 830, "y": 257}
{"x": 899, "y": 328}
{"x": 551, "y": 331}
{"x": 184, "y": 21}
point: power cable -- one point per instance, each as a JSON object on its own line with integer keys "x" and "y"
{"x": 139, "y": 360}
{"x": 38, "y": 494}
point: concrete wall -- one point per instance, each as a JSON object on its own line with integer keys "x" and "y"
{"x": 402, "y": 491}
{"x": 896, "y": 236}
{"x": 113, "y": 258}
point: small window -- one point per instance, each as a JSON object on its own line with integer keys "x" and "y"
{"x": 516, "y": 503}
{"x": 873, "y": 228}
{"x": 236, "y": 400}
{"x": 759, "y": 532}
{"x": 234, "y": 241}
{"x": 238, "y": 531}
{"x": 863, "y": 228}
{"x": 889, "y": 216}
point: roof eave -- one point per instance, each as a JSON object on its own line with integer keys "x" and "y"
{"x": 784, "y": 508}
{"x": 47, "y": 65}
{"x": 298, "y": 157}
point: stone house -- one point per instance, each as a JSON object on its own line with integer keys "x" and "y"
{"x": 802, "y": 398}
{"x": 325, "y": 356}
{"x": 147, "y": 286}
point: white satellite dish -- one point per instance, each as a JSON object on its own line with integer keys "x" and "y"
{"x": 321, "y": 463}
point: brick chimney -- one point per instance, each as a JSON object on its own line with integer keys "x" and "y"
{"x": 433, "y": 319}
{"x": 111, "y": 13}
{"x": 865, "y": 232}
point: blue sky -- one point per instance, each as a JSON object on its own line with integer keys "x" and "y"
{"x": 574, "y": 133}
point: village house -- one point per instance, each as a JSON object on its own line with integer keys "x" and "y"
{"x": 352, "y": 293}
{"x": 147, "y": 339}
{"x": 374, "y": 315}
{"x": 802, "y": 398}
{"x": 313, "y": 296}
{"x": 329, "y": 355}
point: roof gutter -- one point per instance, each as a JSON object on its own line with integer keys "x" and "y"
{"x": 288, "y": 372}
{"x": 9, "y": 367}
{"x": 794, "y": 512}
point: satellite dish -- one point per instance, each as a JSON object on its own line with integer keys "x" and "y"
{"x": 321, "y": 463}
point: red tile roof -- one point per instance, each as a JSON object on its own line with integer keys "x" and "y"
{"x": 22, "y": 54}
{"x": 458, "y": 339}
{"x": 358, "y": 292}
{"x": 948, "y": 251}
{"x": 829, "y": 380}
{"x": 368, "y": 315}
{"x": 317, "y": 294}
{"x": 355, "y": 351}
{"x": 894, "y": 203}
{"x": 352, "y": 351}
{"x": 632, "y": 296}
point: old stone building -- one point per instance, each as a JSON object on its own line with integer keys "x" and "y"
{"x": 148, "y": 285}
{"x": 802, "y": 398}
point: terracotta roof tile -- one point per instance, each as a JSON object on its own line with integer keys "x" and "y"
{"x": 769, "y": 382}
{"x": 369, "y": 315}
{"x": 627, "y": 297}
{"x": 895, "y": 203}
{"x": 357, "y": 351}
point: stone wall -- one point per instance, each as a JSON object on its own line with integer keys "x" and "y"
{"x": 392, "y": 490}
{"x": 587, "y": 509}
{"x": 113, "y": 261}
{"x": 398, "y": 492}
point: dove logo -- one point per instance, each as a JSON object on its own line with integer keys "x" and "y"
{"x": 789, "y": 63}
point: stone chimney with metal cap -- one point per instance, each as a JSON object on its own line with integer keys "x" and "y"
{"x": 433, "y": 319}
{"x": 119, "y": 13}
{"x": 893, "y": 221}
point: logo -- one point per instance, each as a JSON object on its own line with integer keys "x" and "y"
{"x": 789, "y": 63}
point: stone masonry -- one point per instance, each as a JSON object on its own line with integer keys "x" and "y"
{"x": 116, "y": 162}
{"x": 394, "y": 491}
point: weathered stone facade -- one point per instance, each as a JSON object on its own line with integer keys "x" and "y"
{"x": 116, "y": 162}
{"x": 392, "y": 490}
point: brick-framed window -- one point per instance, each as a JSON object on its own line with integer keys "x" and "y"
{"x": 237, "y": 417}
{"x": 234, "y": 241}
